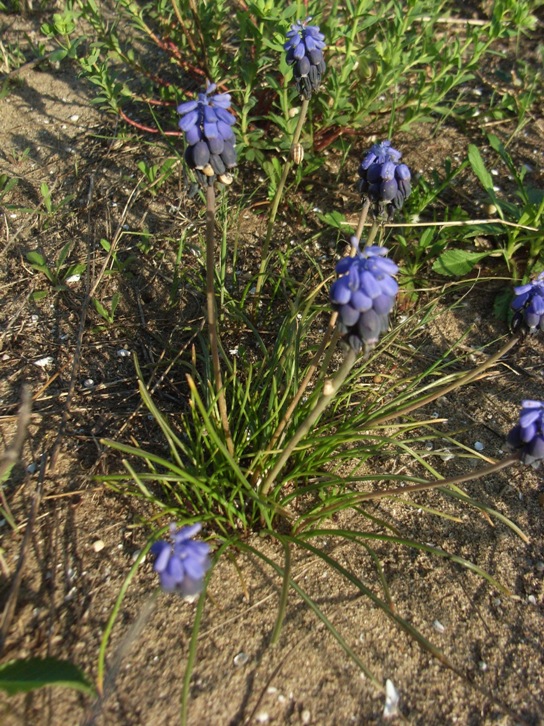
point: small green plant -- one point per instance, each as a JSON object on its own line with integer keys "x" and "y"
{"x": 7, "y": 184}
{"x": 58, "y": 273}
{"x": 107, "y": 313}
{"x": 518, "y": 225}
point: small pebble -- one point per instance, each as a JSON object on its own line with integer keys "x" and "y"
{"x": 88, "y": 383}
{"x": 479, "y": 446}
{"x": 305, "y": 716}
{"x": 540, "y": 566}
{"x": 437, "y": 625}
{"x": 262, "y": 717}
{"x": 32, "y": 468}
{"x": 241, "y": 659}
{"x": 123, "y": 353}
{"x": 531, "y": 599}
{"x": 98, "y": 545}
{"x": 482, "y": 665}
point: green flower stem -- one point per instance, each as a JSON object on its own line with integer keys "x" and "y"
{"x": 284, "y": 592}
{"x": 330, "y": 389}
{"x": 452, "y": 481}
{"x": 462, "y": 381}
{"x": 212, "y": 314}
{"x": 276, "y": 202}
{"x": 330, "y": 334}
{"x": 372, "y": 234}
{"x": 362, "y": 219}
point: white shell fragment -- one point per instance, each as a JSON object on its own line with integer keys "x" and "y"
{"x": 437, "y": 625}
{"x": 391, "y": 708}
{"x": 241, "y": 659}
{"x": 44, "y": 362}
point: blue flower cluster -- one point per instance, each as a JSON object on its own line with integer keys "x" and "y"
{"x": 528, "y": 304}
{"x": 364, "y": 295}
{"x": 528, "y": 435}
{"x": 304, "y": 46}
{"x": 183, "y": 563}
{"x": 384, "y": 180}
{"x": 207, "y": 125}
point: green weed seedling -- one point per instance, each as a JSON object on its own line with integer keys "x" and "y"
{"x": 108, "y": 314}
{"x": 58, "y": 273}
{"x": 157, "y": 174}
{"x": 517, "y": 227}
{"x": 7, "y": 184}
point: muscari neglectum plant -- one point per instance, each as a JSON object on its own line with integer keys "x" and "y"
{"x": 240, "y": 481}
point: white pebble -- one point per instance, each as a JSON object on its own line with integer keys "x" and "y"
{"x": 74, "y": 117}
{"x": 73, "y": 278}
{"x": 479, "y": 446}
{"x": 88, "y": 383}
{"x": 482, "y": 665}
{"x": 531, "y": 599}
{"x": 123, "y": 353}
{"x": 98, "y": 545}
{"x": 262, "y": 717}
{"x": 437, "y": 625}
{"x": 305, "y": 716}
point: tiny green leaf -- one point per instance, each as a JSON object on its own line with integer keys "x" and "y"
{"x": 35, "y": 258}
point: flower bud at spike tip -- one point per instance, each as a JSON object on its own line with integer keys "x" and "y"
{"x": 304, "y": 46}
{"x": 364, "y": 295}
{"x": 208, "y": 128}
{"x": 384, "y": 180}
{"x": 527, "y": 436}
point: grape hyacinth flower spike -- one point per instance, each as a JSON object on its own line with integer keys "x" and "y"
{"x": 305, "y": 45}
{"x": 182, "y": 563}
{"x": 528, "y": 304}
{"x": 364, "y": 295}
{"x": 385, "y": 181}
{"x": 527, "y": 436}
{"x": 208, "y": 128}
